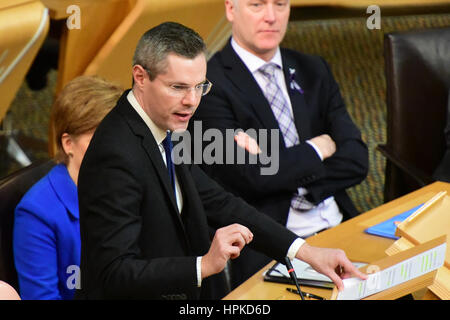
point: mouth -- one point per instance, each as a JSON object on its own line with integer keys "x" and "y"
{"x": 269, "y": 31}
{"x": 183, "y": 116}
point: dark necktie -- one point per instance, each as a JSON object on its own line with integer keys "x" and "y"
{"x": 168, "y": 146}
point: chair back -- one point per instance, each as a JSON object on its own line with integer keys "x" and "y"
{"x": 417, "y": 65}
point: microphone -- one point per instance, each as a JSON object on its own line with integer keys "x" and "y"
{"x": 293, "y": 276}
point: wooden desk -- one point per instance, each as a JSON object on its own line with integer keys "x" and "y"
{"x": 350, "y": 237}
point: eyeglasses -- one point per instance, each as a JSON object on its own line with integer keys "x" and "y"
{"x": 200, "y": 89}
{"x": 181, "y": 91}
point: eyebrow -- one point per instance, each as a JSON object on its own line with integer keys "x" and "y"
{"x": 186, "y": 84}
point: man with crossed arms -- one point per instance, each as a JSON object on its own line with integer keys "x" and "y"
{"x": 258, "y": 85}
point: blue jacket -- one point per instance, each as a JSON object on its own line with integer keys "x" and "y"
{"x": 47, "y": 238}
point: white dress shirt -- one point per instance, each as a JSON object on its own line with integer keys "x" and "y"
{"x": 326, "y": 214}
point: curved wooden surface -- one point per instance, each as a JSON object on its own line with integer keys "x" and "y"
{"x": 204, "y": 16}
{"x": 23, "y": 28}
{"x": 78, "y": 47}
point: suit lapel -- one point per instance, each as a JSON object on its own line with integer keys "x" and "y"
{"x": 299, "y": 106}
{"x": 192, "y": 215}
{"x": 243, "y": 80}
{"x": 141, "y": 130}
{"x": 152, "y": 150}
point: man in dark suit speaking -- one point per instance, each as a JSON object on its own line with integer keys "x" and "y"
{"x": 143, "y": 219}
{"x": 258, "y": 85}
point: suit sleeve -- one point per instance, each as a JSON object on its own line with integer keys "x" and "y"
{"x": 348, "y": 166}
{"x": 35, "y": 255}
{"x": 222, "y": 209}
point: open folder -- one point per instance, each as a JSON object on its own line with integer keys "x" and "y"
{"x": 306, "y": 275}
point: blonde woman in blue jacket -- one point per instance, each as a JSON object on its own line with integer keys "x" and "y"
{"x": 46, "y": 227}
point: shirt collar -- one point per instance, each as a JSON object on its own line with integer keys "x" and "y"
{"x": 252, "y": 61}
{"x": 158, "y": 133}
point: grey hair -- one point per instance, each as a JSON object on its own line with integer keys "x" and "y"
{"x": 169, "y": 37}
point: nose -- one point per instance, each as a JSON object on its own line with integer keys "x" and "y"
{"x": 190, "y": 98}
{"x": 269, "y": 15}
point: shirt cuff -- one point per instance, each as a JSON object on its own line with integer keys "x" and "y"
{"x": 316, "y": 149}
{"x": 199, "y": 271}
{"x": 293, "y": 249}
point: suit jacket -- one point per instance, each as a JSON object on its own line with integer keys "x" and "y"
{"x": 135, "y": 243}
{"x": 47, "y": 238}
{"x": 236, "y": 101}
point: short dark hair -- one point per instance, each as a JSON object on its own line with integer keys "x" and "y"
{"x": 169, "y": 37}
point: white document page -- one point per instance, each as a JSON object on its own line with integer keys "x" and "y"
{"x": 430, "y": 260}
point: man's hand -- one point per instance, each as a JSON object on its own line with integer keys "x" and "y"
{"x": 331, "y": 262}
{"x": 227, "y": 244}
{"x": 325, "y": 144}
{"x": 246, "y": 142}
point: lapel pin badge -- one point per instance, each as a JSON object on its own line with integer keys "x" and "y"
{"x": 293, "y": 84}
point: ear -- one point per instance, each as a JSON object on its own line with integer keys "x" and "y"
{"x": 67, "y": 143}
{"x": 229, "y": 10}
{"x": 139, "y": 75}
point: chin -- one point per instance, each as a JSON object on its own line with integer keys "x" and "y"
{"x": 179, "y": 127}
{"x": 268, "y": 45}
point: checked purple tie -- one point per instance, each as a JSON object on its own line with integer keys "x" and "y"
{"x": 279, "y": 106}
{"x": 280, "y": 109}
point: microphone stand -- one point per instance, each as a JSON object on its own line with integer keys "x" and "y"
{"x": 293, "y": 276}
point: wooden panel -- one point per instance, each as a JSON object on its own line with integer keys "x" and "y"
{"x": 22, "y": 31}
{"x": 204, "y": 16}
{"x": 78, "y": 47}
{"x": 13, "y": 3}
{"x": 432, "y": 222}
{"x": 58, "y": 8}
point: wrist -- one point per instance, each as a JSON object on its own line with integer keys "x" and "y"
{"x": 304, "y": 252}
{"x": 204, "y": 269}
